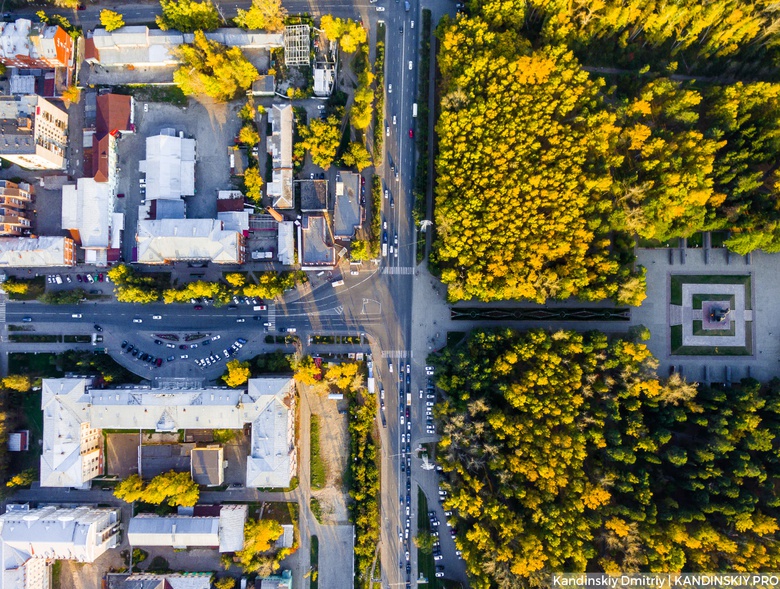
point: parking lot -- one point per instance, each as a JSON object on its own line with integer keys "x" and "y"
{"x": 212, "y": 125}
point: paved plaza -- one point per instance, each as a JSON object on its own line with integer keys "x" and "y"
{"x": 712, "y": 316}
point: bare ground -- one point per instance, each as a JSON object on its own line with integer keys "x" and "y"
{"x": 334, "y": 447}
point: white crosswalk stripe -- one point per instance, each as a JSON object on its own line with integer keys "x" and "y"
{"x": 272, "y": 315}
{"x": 3, "y": 299}
{"x": 398, "y": 354}
{"x": 398, "y": 270}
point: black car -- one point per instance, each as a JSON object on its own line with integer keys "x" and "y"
{"x": 158, "y": 342}
{"x": 183, "y": 347}
{"x": 206, "y": 342}
{"x": 124, "y": 344}
{"x": 408, "y": 568}
{"x": 135, "y": 352}
{"x": 144, "y": 357}
{"x": 408, "y": 485}
{"x": 97, "y": 328}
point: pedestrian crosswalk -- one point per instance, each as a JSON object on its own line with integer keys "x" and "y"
{"x": 272, "y": 316}
{"x": 3, "y": 299}
{"x": 398, "y": 354}
{"x": 398, "y": 270}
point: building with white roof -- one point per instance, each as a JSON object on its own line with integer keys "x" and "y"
{"x": 139, "y": 45}
{"x": 224, "y": 531}
{"x": 189, "y": 580}
{"x": 25, "y": 44}
{"x": 72, "y": 407}
{"x": 164, "y": 241}
{"x": 285, "y": 243}
{"x": 37, "y": 252}
{"x": 30, "y": 539}
{"x": 88, "y": 212}
{"x": 280, "y": 189}
{"x": 169, "y": 165}
{"x": 177, "y": 531}
{"x": 33, "y": 132}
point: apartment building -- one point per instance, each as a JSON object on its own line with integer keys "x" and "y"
{"x": 24, "y": 44}
{"x": 33, "y": 132}
{"x": 15, "y": 202}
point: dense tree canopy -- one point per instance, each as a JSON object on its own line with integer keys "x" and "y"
{"x": 111, "y": 20}
{"x": 173, "y": 488}
{"x": 188, "y": 16}
{"x": 567, "y": 452}
{"x": 213, "y": 69}
{"x": 349, "y": 33}
{"x": 264, "y": 15}
{"x": 237, "y": 373}
{"x": 550, "y": 162}
{"x": 321, "y": 139}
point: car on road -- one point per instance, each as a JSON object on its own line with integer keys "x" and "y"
{"x": 411, "y": 132}
{"x": 411, "y": 25}
{"x": 380, "y": 8}
{"x": 389, "y": 365}
{"x": 97, "y": 327}
{"x": 410, "y": 65}
{"x": 198, "y": 307}
{"x": 421, "y": 393}
{"x": 395, "y": 239}
{"x": 156, "y": 316}
{"x": 27, "y": 319}
{"x": 138, "y": 320}
{"x": 288, "y": 329}
{"x": 76, "y": 315}
{"x": 241, "y": 340}
{"x": 241, "y": 320}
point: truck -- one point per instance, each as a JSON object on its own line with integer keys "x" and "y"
{"x": 409, "y": 399}
{"x": 414, "y": 109}
{"x": 259, "y": 308}
{"x": 384, "y": 250}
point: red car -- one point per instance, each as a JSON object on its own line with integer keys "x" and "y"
{"x": 411, "y": 133}
{"x": 198, "y": 307}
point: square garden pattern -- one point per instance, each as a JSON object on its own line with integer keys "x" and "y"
{"x": 711, "y": 315}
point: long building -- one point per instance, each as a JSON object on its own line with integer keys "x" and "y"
{"x": 37, "y": 252}
{"x": 33, "y": 132}
{"x": 280, "y": 189}
{"x": 24, "y": 44}
{"x": 32, "y": 539}
{"x": 75, "y": 414}
{"x": 166, "y": 241}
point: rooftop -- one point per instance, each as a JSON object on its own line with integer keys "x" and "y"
{"x": 314, "y": 195}
{"x": 169, "y": 165}
{"x": 32, "y": 252}
{"x": 207, "y": 466}
{"x": 170, "y": 240}
{"x": 346, "y": 211}
{"x": 315, "y": 250}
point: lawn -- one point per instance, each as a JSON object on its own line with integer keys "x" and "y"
{"x": 317, "y": 468}
{"x": 27, "y": 407}
{"x": 680, "y": 279}
{"x": 426, "y": 566}
{"x": 698, "y": 299}
{"x": 41, "y": 364}
{"x": 35, "y": 288}
{"x": 314, "y": 562}
{"x": 679, "y": 350}
{"x": 282, "y": 512}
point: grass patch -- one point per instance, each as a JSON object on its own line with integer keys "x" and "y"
{"x": 317, "y": 464}
{"x": 316, "y": 508}
{"x": 280, "y": 511}
{"x": 42, "y": 364}
{"x": 699, "y": 330}
{"x": 695, "y": 240}
{"x": 29, "y": 338}
{"x": 679, "y": 279}
{"x": 426, "y": 566}
{"x": 656, "y": 244}
{"x": 679, "y": 350}
{"x": 698, "y": 299}
{"x": 56, "y": 574}
{"x": 314, "y": 562}
{"x": 77, "y": 339}
{"x": 455, "y": 337}
{"x": 170, "y": 94}
{"x": 718, "y": 238}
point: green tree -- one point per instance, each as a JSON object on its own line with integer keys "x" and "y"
{"x": 258, "y": 538}
{"x": 213, "y": 69}
{"x": 424, "y": 542}
{"x": 321, "y": 139}
{"x": 360, "y": 251}
{"x": 237, "y": 373}
{"x": 188, "y": 16}
{"x": 264, "y": 15}
{"x": 253, "y": 184}
{"x": 17, "y": 382}
{"x": 356, "y": 155}
{"x": 111, "y": 20}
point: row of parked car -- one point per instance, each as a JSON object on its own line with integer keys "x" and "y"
{"x": 136, "y": 353}
{"x": 220, "y": 357}
{"x": 89, "y": 278}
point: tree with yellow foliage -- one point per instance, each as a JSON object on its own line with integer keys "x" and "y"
{"x": 17, "y": 382}
{"x": 342, "y": 376}
{"x": 237, "y": 373}
{"x": 259, "y": 536}
{"x": 111, "y": 20}
{"x": 235, "y": 279}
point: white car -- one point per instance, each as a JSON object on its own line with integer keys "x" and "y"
{"x": 387, "y": 131}
{"x": 412, "y": 24}
{"x": 138, "y": 320}
{"x": 384, "y": 224}
{"x": 394, "y": 115}
{"x": 320, "y": 106}
{"x": 215, "y": 338}
{"x": 146, "y": 108}
{"x": 389, "y": 88}
{"x": 421, "y": 393}
{"x": 380, "y": 8}
{"x": 386, "y": 193}
{"x": 156, "y": 316}
{"x": 410, "y": 65}
{"x": 184, "y": 356}
{"x": 390, "y": 366}
{"x": 402, "y": 420}
{"x": 429, "y": 403}
{"x": 408, "y": 368}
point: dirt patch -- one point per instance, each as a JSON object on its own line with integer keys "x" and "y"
{"x": 77, "y": 575}
{"x": 334, "y": 449}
